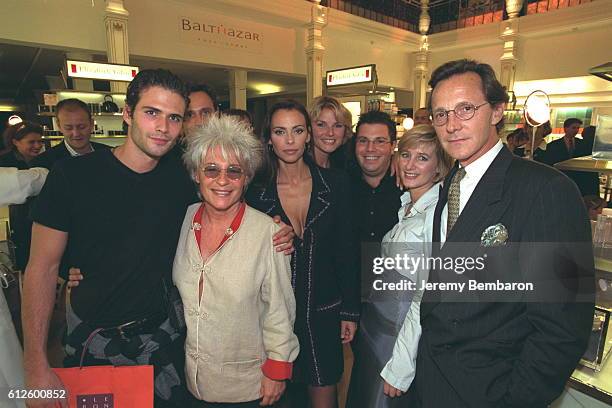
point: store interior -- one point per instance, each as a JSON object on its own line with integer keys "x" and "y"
{"x": 561, "y": 48}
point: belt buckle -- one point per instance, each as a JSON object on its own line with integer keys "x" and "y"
{"x": 124, "y": 326}
{"x": 7, "y": 277}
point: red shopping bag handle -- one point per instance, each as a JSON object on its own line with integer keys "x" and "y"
{"x": 87, "y": 343}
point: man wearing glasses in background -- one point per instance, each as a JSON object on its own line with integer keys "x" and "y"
{"x": 484, "y": 348}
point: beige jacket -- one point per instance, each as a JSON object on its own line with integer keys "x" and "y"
{"x": 246, "y": 313}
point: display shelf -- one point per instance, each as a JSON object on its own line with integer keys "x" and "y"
{"x": 74, "y": 91}
{"x": 52, "y": 114}
{"x": 604, "y": 265}
{"x": 593, "y": 383}
{"x": 586, "y": 163}
{"x": 93, "y": 137}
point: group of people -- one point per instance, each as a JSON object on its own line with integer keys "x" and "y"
{"x": 265, "y": 242}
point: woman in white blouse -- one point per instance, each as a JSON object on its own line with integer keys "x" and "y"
{"x": 236, "y": 288}
{"x": 422, "y": 164}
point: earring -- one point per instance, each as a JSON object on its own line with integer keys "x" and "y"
{"x": 270, "y": 148}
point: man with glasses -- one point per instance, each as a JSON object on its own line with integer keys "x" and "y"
{"x": 375, "y": 196}
{"x": 482, "y": 347}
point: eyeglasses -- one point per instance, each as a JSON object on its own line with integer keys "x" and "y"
{"x": 325, "y": 126}
{"x": 463, "y": 111}
{"x": 378, "y": 142}
{"x": 232, "y": 172}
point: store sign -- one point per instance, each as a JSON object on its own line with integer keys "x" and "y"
{"x": 222, "y": 32}
{"x": 94, "y": 70}
{"x": 350, "y": 76}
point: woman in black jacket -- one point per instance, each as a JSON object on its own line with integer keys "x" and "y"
{"x": 25, "y": 141}
{"x": 25, "y": 138}
{"x": 325, "y": 269}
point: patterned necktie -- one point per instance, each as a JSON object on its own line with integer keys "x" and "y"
{"x": 570, "y": 147}
{"x": 453, "y": 199}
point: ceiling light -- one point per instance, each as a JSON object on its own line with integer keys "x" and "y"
{"x": 15, "y": 119}
{"x": 265, "y": 89}
{"x": 408, "y": 123}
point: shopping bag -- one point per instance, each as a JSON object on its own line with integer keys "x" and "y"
{"x": 108, "y": 386}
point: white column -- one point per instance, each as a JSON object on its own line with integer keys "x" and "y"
{"x": 513, "y": 8}
{"x": 509, "y": 36}
{"x": 421, "y": 60}
{"x": 315, "y": 51}
{"x": 117, "y": 49}
{"x": 238, "y": 88}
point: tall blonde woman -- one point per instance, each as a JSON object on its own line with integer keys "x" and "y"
{"x": 236, "y": 288}
{"x": 331, "y": 130}
{"x": 422, "y": 164}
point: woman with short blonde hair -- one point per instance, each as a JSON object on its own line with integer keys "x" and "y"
{"x": 331, "y": 130}
{"x": 426, "y": 134}
{"x": 390, "y": 328}
{"x": 236, "y": 288}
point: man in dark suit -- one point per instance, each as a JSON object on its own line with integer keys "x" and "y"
{"x": 520, "y": 221}
{"x": 569, "y": 147}
{"x": 76, "y": 124}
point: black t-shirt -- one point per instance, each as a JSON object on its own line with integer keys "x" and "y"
{"x": 123, "y": 228}
{"x": 374, "y": 213}
{"x": 59, "y": 152}
{"x": 374, "y": 209}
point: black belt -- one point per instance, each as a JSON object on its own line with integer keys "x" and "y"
{"x": 147, "y": 325}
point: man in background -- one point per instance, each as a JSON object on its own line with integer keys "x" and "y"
{"x": 202, "y": 105}
{"x": 421, "y": 117}
{"x": 569, "y": 147}
{"x": 76, "y": 124}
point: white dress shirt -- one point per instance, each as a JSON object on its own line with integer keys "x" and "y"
{"x": 414, "y": 230}
{"x": 473, "y": 173}
{"x": 18, "y": 185}
{"x": 74, "y": 153}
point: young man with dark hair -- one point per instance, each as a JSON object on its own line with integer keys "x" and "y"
{"x": 484, "y": 347}
{"x": 569, "y": 147}
{"x": 75, "y": 122}
{"x": 117, "y": 214}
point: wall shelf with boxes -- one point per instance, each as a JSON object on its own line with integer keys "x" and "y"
{"x": 106, "y": 110}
